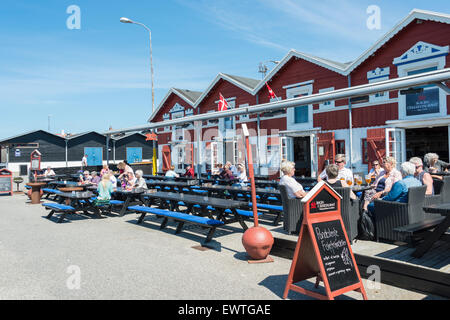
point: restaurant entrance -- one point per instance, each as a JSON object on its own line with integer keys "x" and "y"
{"x": 302, "y": 156}
{"x": 420, "y": 141}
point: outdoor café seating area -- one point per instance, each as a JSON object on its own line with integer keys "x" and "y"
{"x": 211, "y": 202}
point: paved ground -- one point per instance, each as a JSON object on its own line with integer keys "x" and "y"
{"x": 117, "y": 259}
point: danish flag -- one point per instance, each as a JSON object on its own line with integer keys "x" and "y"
{"x": 272, "y": 94}
{"x": 223, "y": 104}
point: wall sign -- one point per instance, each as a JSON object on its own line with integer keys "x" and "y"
{"x": 323, "y": 250}
{"x": 423, "y": 103}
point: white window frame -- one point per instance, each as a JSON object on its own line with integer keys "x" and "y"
{"x": 290, "y": 93}
{"x": 229, "y": 133}
{"x": 327, "y": 104}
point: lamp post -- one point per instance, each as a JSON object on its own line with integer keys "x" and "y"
{"x": 126, "y": 20}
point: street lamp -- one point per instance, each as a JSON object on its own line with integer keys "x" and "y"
{"x": 126, "y": 20}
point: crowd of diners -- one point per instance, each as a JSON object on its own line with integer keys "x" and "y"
{"x": 223, "y": 172}
{"x": 388, "y": 183}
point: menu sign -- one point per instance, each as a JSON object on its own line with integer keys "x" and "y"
{"x": 6, "y": 185}
{"x": 323, "y": 250}
{"x": 335, "y": 254}
{"x": 422, "y": 103}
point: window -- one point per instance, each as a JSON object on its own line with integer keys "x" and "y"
{"x": 364, "y": 151}
{"x": 378, "y": 75}
{"x": 326, "y": 104}
{"x": 301, "y": 113}
{"x": 299, "y": 117}
{"x": 340, "y": 146}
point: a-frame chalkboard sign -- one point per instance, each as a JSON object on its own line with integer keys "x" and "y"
{"x": 323, "y": 250}
{"x": 6, "y": 182}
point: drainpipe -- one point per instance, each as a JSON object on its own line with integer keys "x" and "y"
{"x": 258, "y": 138}
{"x": 67, "y": 164}
{"x": 107, "y": 150}
{"x": 350, "y": 121}
{"x": 114, "y": 151}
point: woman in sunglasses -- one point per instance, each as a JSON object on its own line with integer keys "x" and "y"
{"x": 343, "y": 173}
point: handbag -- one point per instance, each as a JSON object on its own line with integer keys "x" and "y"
{"x": 366, "y": 226}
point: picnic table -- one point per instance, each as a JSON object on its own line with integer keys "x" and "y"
{"x": 75, "y": 202}
{"x": 439, "y": 231}
{"x": 235, "y": 191}
{"x": 130, "y": 198}
{"x": 169, "y": 185}
{"x": 208, "y": 206}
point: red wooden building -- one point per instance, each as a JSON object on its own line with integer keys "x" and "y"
{"x": 400, "y": 125}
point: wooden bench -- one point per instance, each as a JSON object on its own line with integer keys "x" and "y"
{"x": 58, "y": 208}
{"x": 273, "y": 209}
{"x": 179, "y": 217}
{"x": 418, "y": 230}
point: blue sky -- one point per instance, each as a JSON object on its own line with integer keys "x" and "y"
{"x": 99, "y": 76}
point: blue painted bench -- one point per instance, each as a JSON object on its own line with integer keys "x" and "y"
{"x": 48, "y": 192}
{"x": 179, "y": 217}
{"x": 58, "y": 208}
{"x": 277, "y": 210}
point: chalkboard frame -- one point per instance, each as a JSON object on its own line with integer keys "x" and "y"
{"x": 308, "y": 261}
{"x": 6, "y": 174}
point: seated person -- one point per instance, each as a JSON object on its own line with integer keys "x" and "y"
{"x": 95, "y": 178}
{"x": 383, "y": 183}
{"x": 49, "y": 172}
{"x": 85, "y": 178}
{"x": 294, "y": 189}
{"x": 344, "y": 173}
{"x": 376, "y": 170}
{"x": 140, "y": 181}
{"x": 112, "y": 178}
{"x": 423, "y": 176}
{"x": 189, "y": 172}
{"x": 171, "y": 174}
{"x": 105, "y": 170}
{"x": 332, "y": 172}
{"x": 399, "y": 191}
{"x": 105, "y": 188}
{"x": 226, "y": 173}
{"x": 434, "y": 165}
{"x": 131, "y": 181}
{"x": 242, "y": 176}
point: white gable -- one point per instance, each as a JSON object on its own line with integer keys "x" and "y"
{"x": 421, "y": 51}
{"x": 177, "y": 108}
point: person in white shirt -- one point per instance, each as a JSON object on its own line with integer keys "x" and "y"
{"x": 140, "y": 181}
{"x": 171, "y": 174}
{"x": 294, "y": 189}
{"x": 84, "y": 162}
{"x": 344, "y": 173}
{"x": 242, "y": 175}
{"x": 49, "y": 172}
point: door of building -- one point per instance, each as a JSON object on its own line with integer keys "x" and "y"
{"x": 302, "y": 156}
{"x": 94, "y": 156}
{"x": 134, "y": 155}
{"x": 326, "y": 150}
{"x": 166, "y": 158}
{"x": 396, "y": 145}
